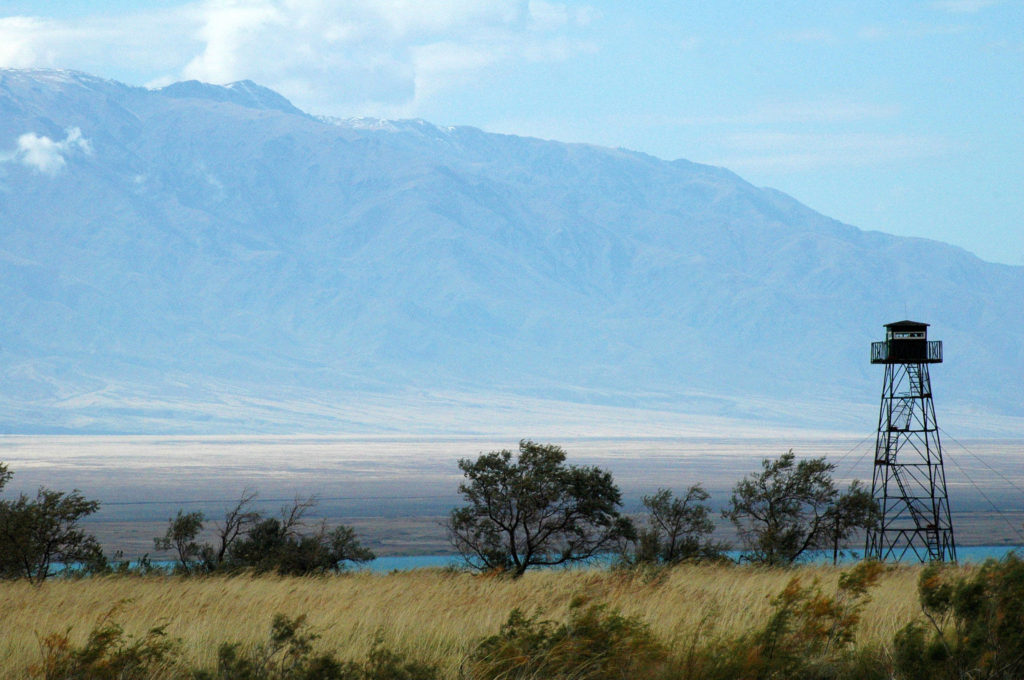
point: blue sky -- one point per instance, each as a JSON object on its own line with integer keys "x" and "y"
{"x": 905, "y": 117}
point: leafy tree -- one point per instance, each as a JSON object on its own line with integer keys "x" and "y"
{"x": 790, "y": 508}
{"x": 37, "y": 533}
{"x": 535, "y": 510}
{"x": 272, "y": 544}
{"x": 677, "y": 529}
{"x": 181, "y": 538}
{"x": 247, "y": 540}
{"x": 853, "y": 511}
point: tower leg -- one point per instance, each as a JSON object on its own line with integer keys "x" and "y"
{"x": 909, "y": 480}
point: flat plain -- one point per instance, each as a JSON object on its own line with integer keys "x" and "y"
{"x": 396, "y": 491}
{"x": 432, "y": 615}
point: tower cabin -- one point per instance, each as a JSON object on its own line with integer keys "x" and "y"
{"x": 906, "y": 342}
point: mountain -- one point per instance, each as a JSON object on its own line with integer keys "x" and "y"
{"x": 205, "y": 258}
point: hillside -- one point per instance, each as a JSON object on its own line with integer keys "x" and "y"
{"x": 210, "y": 259}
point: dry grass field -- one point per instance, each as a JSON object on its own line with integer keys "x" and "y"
{"x": 433, "y": 615}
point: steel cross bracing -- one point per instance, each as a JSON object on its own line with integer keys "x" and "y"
{"x": 909, "y": 481}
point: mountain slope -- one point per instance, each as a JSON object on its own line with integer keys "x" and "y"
{"x": 165, "y": 254}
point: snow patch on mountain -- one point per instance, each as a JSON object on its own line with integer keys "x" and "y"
{"x": 242, "y": 93}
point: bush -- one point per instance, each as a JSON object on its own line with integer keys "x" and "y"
{"x": 809, "y": 636}
{"x": 108, "y": 654}
{"x": 973, "y": 625}
{"x": 246, "y": 540}
{"x": 288, "y": 655}
{"x": 594, "y": 644}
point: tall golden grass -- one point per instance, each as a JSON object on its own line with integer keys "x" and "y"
{"x": 432, "y": 615}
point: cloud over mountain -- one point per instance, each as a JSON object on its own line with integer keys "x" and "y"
{"x": 46, "y": 155}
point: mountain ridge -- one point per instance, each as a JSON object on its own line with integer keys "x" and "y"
{"x": 228, "y": 245}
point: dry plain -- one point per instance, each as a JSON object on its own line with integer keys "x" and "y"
{"x": 432, "y": 615}
{"x": 397, "y": 490}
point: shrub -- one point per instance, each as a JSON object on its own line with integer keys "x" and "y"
{"x": 809, "y": 636}
{"x": 246, "y": 540}
{"x": 594, "y": 644}
{"x": 288, "y": 655}
{"x": 108, "y": 654}
{"x": 973, "y": 624}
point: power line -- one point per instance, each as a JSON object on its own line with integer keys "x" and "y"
{"x": 1002, "y": 515}
{"x": 318, "y": 499}
{"x": 981, "y": 460}
{"x": 855, "y": 447}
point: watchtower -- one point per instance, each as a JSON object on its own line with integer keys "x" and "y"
{"x": 909, "y": 481}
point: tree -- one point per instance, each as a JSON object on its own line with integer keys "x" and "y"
{"x": 790, "y": 508}
{"x": 181, "y": 537}
{"x": 247, "y": 540}
{"x": 237, "y": 520}
{"x": 38, "y": 533}
{"x": 853, "y": 511}
{"x": 280, "y": 545}
{"x": 677, "y": 529}
{"x": 269, "y": 546}
{"x": 534, "y": 511}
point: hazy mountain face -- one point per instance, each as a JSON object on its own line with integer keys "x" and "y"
{"x": 165, "y": 253}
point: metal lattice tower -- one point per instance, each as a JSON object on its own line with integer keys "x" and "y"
{"x": 909, "y": 481}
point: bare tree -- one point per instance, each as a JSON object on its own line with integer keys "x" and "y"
{"x": 291, "y": 516}
{"x": 236, "y": 521}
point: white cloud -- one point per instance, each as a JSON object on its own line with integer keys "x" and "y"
{"x": 346, "y": 58}
{"x": 45, "y": 155}
{"x": 371, "y": 57}
{"x": 547, "y": 15}
{"x": 886, "y": 32}
{"x": 145, "y": 41}
{"x": 17, "y": 44}
{"x": 762, "y": 151}
{"x": 821, "y": 112}
{"x": 965, "y": 6}
{"x": 813, "y": 35}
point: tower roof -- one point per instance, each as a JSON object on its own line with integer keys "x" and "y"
{"x": 906, "y": 325}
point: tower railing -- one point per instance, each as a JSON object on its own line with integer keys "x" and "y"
{"x": 904, "y": 351}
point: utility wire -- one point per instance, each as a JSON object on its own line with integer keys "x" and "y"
{"x": 318, "y": 499}
{"x": 980, "y": 460}
{"x": 1002, "y": 515}
{"x": 855, "y": 447}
